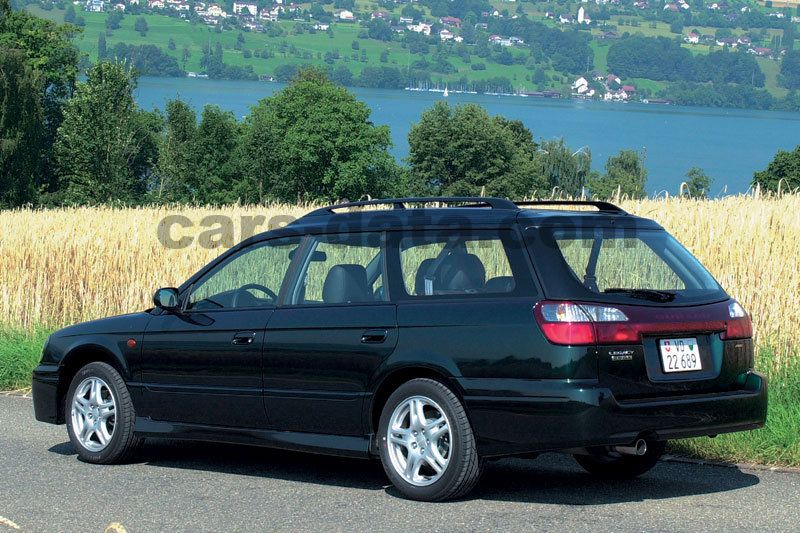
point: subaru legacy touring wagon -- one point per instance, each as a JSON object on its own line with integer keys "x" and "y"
{"x": 433, "y": 333}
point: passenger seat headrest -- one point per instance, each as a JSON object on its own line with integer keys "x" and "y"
{"x": 345, "y": 284}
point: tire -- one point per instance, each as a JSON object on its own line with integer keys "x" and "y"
{"x": 610, "y": 465}
{"x": 452, "y": 449}
{"x": 94, "y": 418}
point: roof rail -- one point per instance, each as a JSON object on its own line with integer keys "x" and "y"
{"x": 400, "y": 203}
{"x": 605, "y": 207}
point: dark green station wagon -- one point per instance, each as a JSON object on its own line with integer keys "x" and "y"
{"x": 434, "y": 333}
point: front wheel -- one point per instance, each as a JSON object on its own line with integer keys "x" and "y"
{"x": 426, "y": 442}
{"x": 612, "y": 465}
{"x": 100, "y": 415}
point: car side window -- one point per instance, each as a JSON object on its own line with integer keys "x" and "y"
{"x": 341, "y": 269}
{"x": 251, "y": 278}
{"x": 441, "y": 264}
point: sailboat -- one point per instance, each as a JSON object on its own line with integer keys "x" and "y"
{"x": 445, "y": 94}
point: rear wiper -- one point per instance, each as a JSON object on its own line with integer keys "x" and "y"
{"x": 645, "y": 294}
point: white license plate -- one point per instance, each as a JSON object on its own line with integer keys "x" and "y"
{"x": 680, "y": 355}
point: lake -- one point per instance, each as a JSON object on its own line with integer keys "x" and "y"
{"x": 729, "y": 144}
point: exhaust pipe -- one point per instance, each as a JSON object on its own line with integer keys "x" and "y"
{"x": 639, "y": 448}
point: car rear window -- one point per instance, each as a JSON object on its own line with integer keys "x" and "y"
{"x": 644, "y": 265}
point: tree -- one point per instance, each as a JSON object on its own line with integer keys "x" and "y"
{"x": 625, "y": 176}
{"x": 783, "y": 172}
{"x": 213, "y": 178}
{"x": 106, "y": 146}
{"x": 141, "y": 26}
{"x": 561, "y": 169}
{"x": 790, "y": 70}
{"x": 21, "y": 129}
{"x": 102, "y": 49}
{"x": 171, "y": 44}
{"x": 462, "y": 150}
{"x": 175, "y": 175}
{"x": 313, "y": 141}
{"x": 114, "y": 20}
{"x": 698, "y": 183}
{"x": 69, "y": 14}
{"x": 47, "y": 49}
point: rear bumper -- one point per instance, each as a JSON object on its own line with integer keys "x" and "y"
{"x": 521, "y": 416}
{"x": 44, "y": 389}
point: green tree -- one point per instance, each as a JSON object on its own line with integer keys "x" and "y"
{"x": 175, "y": 174}
{"x": 102, "y": 48}
{"x": 106, "y": 146}
{"x": 141, "y": 26}
{"x": 213, "y": 178}
{"x": 171, "y": 44}
{"x": 69, "y": 14}
{"x": 313, "y": 140}
{"x": 462, "y": 150}
{"x": 48, "y": 50}
{"x": 698, "y": 183}
{"x": 782, "y": 173}
{"x": 561, "y": 169}
{"x": 114, "y": 20}
{"x": 790, "y": 70}
{"x": 21, "y": 129}
{"x": 625, "y": 176}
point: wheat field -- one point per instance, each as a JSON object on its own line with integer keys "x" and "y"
{"x": 66, "y": 265}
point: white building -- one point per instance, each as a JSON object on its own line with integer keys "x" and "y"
{"x": 245, "y": 8}
{"x": 346, "y": 15}
{"x": 422, "y": 28}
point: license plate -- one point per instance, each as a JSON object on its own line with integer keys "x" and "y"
{"x": 680, "y": 355}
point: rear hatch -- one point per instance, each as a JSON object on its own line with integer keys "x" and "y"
{"x": 661, "y": 324}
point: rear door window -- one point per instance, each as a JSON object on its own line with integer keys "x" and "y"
{"x": 341, "y": 269}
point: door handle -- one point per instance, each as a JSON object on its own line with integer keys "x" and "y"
{"x": 243, "y": 339}
{"x": 374, "y": 336}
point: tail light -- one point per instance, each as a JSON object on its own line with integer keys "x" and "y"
{"x": 572, "y": 324}
{"x": 579, "y": 324}
{"x": 739, "y": 325}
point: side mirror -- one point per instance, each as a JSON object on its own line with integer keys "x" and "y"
{"x": 166, "y": 298}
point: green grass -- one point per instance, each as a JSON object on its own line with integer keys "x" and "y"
{"x": 19, "y": 354}
{"x": 778, "y": 443}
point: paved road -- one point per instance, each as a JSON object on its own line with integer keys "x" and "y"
{"x": 197, "y": 486}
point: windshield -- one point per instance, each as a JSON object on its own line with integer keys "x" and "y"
{"x": 627, "y": 264}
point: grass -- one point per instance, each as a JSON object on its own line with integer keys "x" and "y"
{"x": 76, "y": 264}
{"x": 20, "y": 351}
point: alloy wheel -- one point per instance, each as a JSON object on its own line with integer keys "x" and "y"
{"x": 94, "y": 411}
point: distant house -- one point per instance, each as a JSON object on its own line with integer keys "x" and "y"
{"x": 641, "y": 4}
{"x": 482, "y": 25}
{"x": 671, "y": 7}
{"x": 422, "y": 28}
{"x": 761, "y": 51}
{"x": 96, "y": 6}
{"x": 215, "y": 10}
{"x": 629, "y": 89}
{"x": 495, "y": 39}
{"x": 345, "y": 15}
{"x": 728, "y": 41}
{"x": 245, "y": 8}
{"x": 610, "y": 35}
{"x": 446, "y": 35}
{"x": 744, "y": 40}
{"x": 155, "y": 4}
{"x": 319, "y": 26}
{"x": 406, "y": 20}
{"x": 692, "y": 38}
{"x": 566, "y": 19}
{"x": 583, "y": 18}
{"x": 119, "y": 7}
{"x": 516, "y": 40}
{"x": 613, "y": 79}
{"x": 451, "y": 21}
{"x": 382, "y": 15}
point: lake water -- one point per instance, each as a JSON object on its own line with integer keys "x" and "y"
{"x": 729, "y": 144}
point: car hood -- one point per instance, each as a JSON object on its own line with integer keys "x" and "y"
{"x": 131, "y": 324}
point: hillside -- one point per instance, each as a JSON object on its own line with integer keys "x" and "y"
{"x": 511, "y": 47}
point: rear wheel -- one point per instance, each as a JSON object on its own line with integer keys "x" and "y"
{"x": 612, "y": 465}
{"x": 426, "y": 442}
{"x": 100, "y": 415}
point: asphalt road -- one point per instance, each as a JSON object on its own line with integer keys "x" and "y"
{"x": 197, "y": 486}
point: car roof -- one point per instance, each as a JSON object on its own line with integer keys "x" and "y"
{"x": 461, "y": 213}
